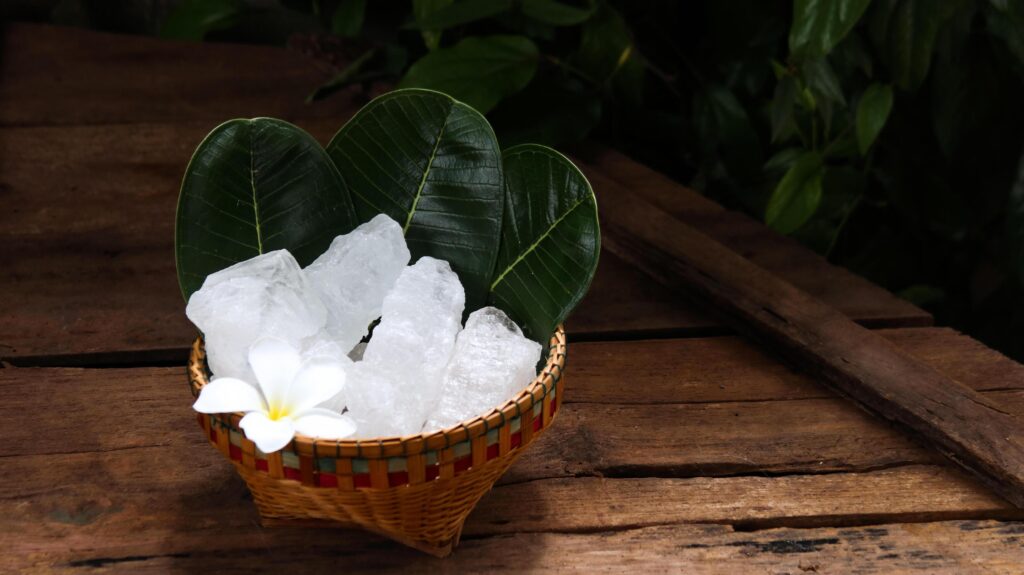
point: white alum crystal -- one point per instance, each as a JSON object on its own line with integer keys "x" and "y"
{"x": 398, "y": 382}
{"x": 355, "y": 273}
{"x": 267, "y": 295}
{"x": 492, "y": 363}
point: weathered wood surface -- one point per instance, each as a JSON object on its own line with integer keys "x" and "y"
{"x": 699, "y": 447}
{"x": 88, "y": 245}
{"x": 671, "y": 455}
{"x": 972, "y": 431}
{"x": 940, "y": 548}
{"x": 56, "y": 76}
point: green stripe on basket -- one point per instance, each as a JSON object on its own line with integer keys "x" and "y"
{"x": 431, "y": 458}
{"x": 235, "y": 438}
{"x": 326, "y": 465}
{"x": 463, "y": 448}
{"x": 290, "y": 459}
{"x": 396, "y": 464}
{"x": 492, "y": 437}
{"x": 514, "y": 424}
{"x": 360, "y": 465}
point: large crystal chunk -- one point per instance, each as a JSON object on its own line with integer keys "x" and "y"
{"x": 398, "y": 382}
{"x": 355, "y": 273}
{"x": 267, "y": 295}
{"x": 492, "y": 363}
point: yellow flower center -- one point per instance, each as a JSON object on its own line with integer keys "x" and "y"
{"x": 279, "y": 411}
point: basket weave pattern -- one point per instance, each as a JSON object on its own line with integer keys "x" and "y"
{"x": 417, "y": 489}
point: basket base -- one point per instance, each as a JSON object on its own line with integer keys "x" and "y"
{"x": 441, "y": 550}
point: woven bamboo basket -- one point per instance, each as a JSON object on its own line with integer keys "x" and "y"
{"x": 417, "y": 489}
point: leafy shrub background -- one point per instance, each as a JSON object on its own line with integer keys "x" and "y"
{"x": 888, "y": 135}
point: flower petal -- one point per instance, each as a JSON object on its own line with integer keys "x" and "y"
{"x": 275, "y": 363}
{"x": 325, "y": 424}
{"x": 228, "y": 395}
{"x": 319, "y": 379}
{"x": 269, "y": 435}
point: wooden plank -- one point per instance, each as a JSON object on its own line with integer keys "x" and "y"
{"x": 87, "y": 248}
{"x": 863, "y": 301}
{"x": 154, "y": 486}
{"x": 714, "y": 405}
{"x": 948, "y": 547}
{"x": 55, "y": 76}
{"x": 970, "y": 430}
{"x": 170, "y": 500}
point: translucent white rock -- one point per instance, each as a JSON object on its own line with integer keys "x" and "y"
{"x": 491, "y": 364}
{"x": 267, "y": 295}
{"x": 355, "y": 273}
{"x": 398, "y": 382}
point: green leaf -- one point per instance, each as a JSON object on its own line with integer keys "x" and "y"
{"x": 480, "y": 70}
{"x": 556, "y": 13}
{"x": 797, "y": 196}
{"x": 818, "y": 25}
{"x": 193, "y": 19}
{"x": 458, "y": 13}
{"x": 904, "y": 31}
{"x": 782, "y": 108}
{"x": 433, "y": 165}
{"x": 872, "y": 113}
{"x": 255, "y": 186}
{"x": 348, "y": 18}
{"x": 783, "y": 159}
{"x": 822, "y": 81}
{"x": 421, "y": 11}
{"x": 550, "y": 240}
{"x": 606, "y": 46}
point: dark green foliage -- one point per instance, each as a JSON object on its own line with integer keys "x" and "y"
{"x": 887, "y": 134}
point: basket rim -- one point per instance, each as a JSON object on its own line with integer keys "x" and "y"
{"x": 535, "y": 391}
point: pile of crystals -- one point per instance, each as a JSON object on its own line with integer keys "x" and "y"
{"x": 420, "y": 371}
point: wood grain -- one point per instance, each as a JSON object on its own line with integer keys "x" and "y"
{"x": 948, "y": 547}
{"x": 88, "y": 250}
{"x": 185, "y": 499}
{"x": 972, "y": 431}
{"x": 57, "y": 76}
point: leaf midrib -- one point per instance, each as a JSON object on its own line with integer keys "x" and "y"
{"x": 252, "y": 184}
{"x": 536, "y": 243}
{"x": 426, "y": 172}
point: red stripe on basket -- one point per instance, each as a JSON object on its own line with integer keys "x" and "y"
{"x": 291, "y": 473}
{"x": 433, "y": 472}
{"x": 398, "y": 478}
{"x": 516, "y": 440}
{"x": 325, "y": 480}
{"x": 213, "y": 434}
{"x": 492, "y": 451}
{"x": 463, "y": 463}
{"x": 199, "y": 418}
{"x": 261, "y": 464}
{"x": 554, "y": 407}
{"x": 537, "y": 423}
{"x": 361, "y": 480}
{"x": 236, "y": 452}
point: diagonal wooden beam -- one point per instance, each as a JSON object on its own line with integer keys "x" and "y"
{"x": 858, "y": 363}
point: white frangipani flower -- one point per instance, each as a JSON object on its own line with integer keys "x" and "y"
{"x": 291, "y": 390}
